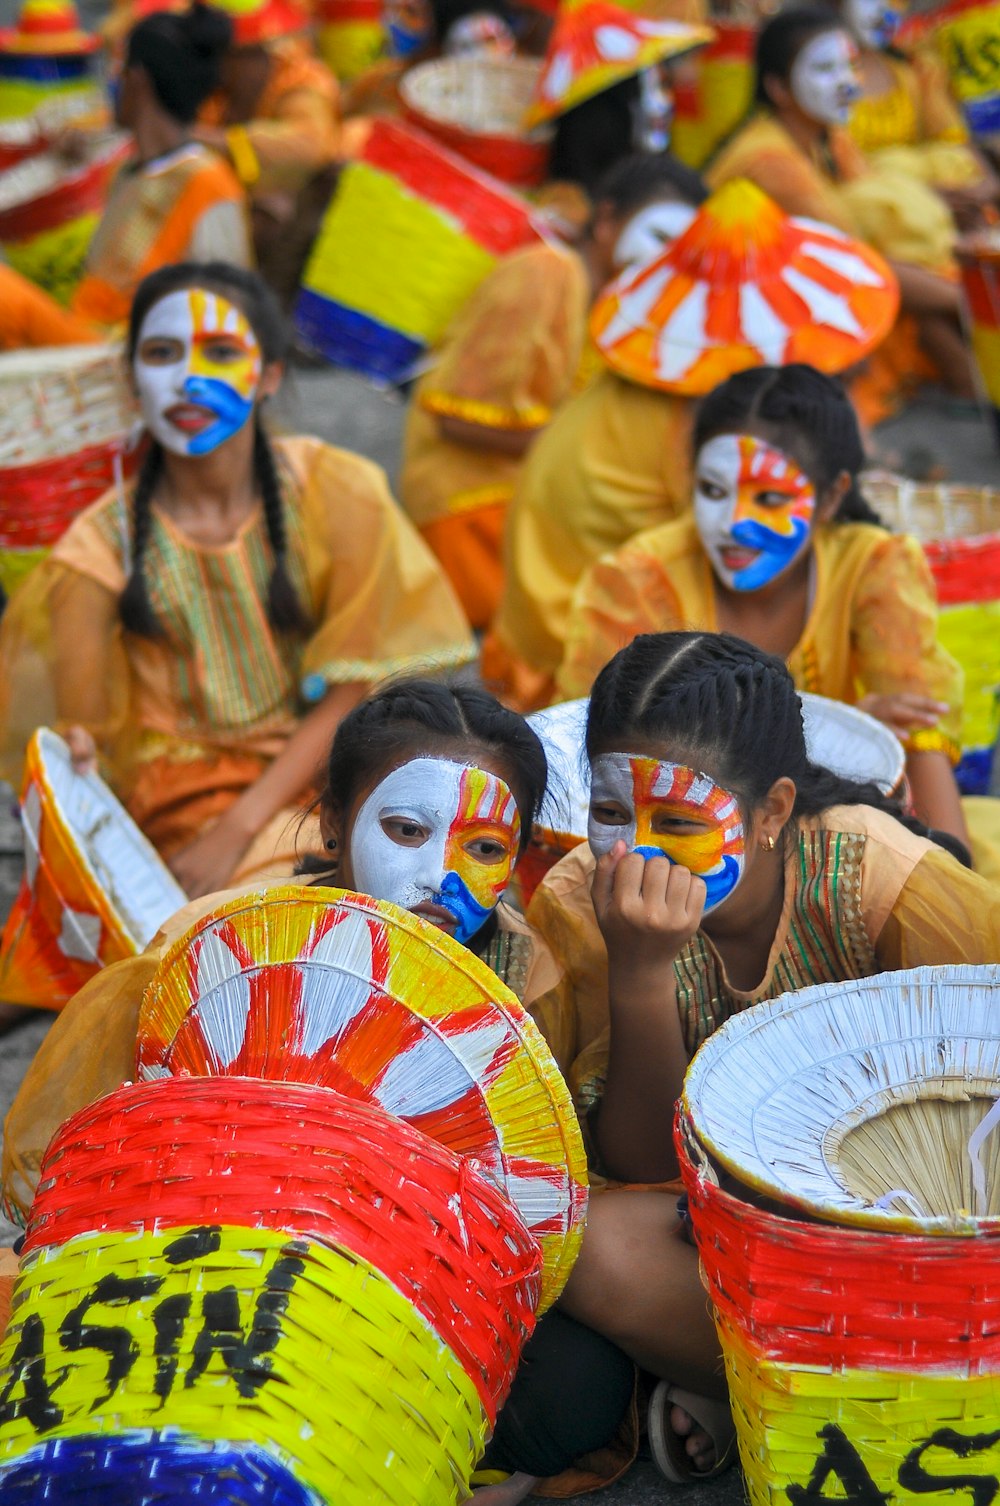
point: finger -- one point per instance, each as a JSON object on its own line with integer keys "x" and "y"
{"x": 627, "y": 884}
{"x": 603, "y": 881}
{"x": 655, "y": 881}
{"x": 695, "y": 905}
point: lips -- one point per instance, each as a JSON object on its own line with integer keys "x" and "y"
{"x": 436, "y": 914}
{"x": 736, "y": 559}
{"x": 189, "y": 418}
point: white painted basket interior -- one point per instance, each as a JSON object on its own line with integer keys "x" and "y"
{"x": 127, "y": 868}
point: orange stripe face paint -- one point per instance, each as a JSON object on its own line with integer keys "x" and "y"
{"x": 753, "y": 508}
{"x": 666, "y": 810}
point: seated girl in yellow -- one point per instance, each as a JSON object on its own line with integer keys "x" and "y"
{"x": 782, "y": 549}
{"x": 723, "y": 868}
{"x": 513, "y": 356}
{"x": 905, "y": 117}
{"x": 797, "y": 149}
{"x": 207, "y": 629}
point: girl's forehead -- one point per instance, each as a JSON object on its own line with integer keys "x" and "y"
{"x": 723, "y": 448}
{"x": 439, "y": 762}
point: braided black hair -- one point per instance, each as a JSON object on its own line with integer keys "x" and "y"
{"x": 642, "y": 177}
{"x": 421, "y": 714}
{"x": 782, "y": 38}
{"x": 254, "y": 298}
{"x": 722, "y": 705}
{"x": 181, "y": 55}
{"x": 813, "y": 420}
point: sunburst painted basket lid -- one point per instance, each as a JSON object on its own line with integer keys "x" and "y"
{"x": 745, "y": 285}
{"x": 874, "y": 1102}
{"x": 317, "y": 985}
{"x": 596, "y": 44}
{"x": 48, "y": 28}
{"x": 842, "y": 738}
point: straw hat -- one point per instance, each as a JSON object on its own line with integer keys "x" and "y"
{"x": 48, "y": 28}
{"x": 870, "y": 1102}
{"x": 745, "y": 285}
{"x": 318, "y": 985}
{"x": 596, "y": 44}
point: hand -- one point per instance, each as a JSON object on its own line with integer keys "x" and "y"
{"x": 904, "y": 713}
{"x": 72, "y": 144}
{"x": 82, "y": 750}
{"x": 208, "y": 863}
{"x": 647, "y": 909}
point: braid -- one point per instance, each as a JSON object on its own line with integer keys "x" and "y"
{"x": 284, "y": 609}
{"x": 134, "y": 606}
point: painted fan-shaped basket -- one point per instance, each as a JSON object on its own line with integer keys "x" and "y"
{"x": 869, "y": 1102}
{"x": 248, "y": 1337}
{"x": 94, "y": 890}
{"x": 278, "y": 1155}
{"x": 476, "y": 107}
{"x": 322, "y": 986}
{"x": 153, "y": 1468}
{"x": 852, "y": 743}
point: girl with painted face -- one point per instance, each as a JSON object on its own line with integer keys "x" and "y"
{"x": 209, "y": 624}
{"x": 723, "y": 868}
{"x": 796, "y": 146}
{"x": 782, "y": 550}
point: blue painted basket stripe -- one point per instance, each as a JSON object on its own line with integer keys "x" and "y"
{"x": 982, "y": 116}
{"x": 40, "y": 70}
{"x": 143, "y": 1468}
{"x": 347, "y": 338}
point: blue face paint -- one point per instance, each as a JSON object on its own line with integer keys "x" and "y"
{"x": 231, "y": 409}
{"x": 455, "y": 897}
{"x": 751, "y": 498}
{"x": 404, "y": 43}
{"x": 776, "y": 551}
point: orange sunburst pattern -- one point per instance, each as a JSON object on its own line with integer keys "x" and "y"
{"x": 354, "y": 994}
{"x": 595, "y": 44}
{"x": 745, "y": 285}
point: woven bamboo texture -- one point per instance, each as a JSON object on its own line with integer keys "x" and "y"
{"x": 476, "y": 106}
{"x": 859, "y": 1364}
{"x": 337, "y": 989}
{"x": 149, "y": 1469}
{"x": 247, "y": 1337}
{"x": 61, "y": 402}
{"x": 94, "y": 890}
{"x": 289, "y": 1156}
{"x": 39, "y": 194}
{"x": 859, "y": 1102}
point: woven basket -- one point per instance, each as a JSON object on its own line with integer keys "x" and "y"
{"x": 40, "y": 194}
{"x": 476, "y": 107}
{"x": 859, "y": 1364}
{"x": 149, "y": 1467}
{"x": 248, "y": 1337}
{"x": 266, "y": 1155}
{"x": 315, "y": 985}
{"x": 94, "y": 890}
{"x": 65, "y": 415}
{"x": 860, "y": 1102}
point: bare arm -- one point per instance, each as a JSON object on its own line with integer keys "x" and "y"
{"x": 924, "y": 292}
{"x": 209, "y": 862}
{"x": 646, "y": 911}
{"x": 935, "y": 794}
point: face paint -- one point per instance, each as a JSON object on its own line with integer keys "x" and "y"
{"x": 650, "y": 231}
{"x": 664, "y": 810}
{"x": 409, "y": 26}
{"x": 481, "y": 34}
{"x": 654, "y": 115}
{"x": 440, "y": 833}
{"x": 873, "y": 22}
{"x": 823, "y": 82}
{"x": 197, "y": 368}
{"x": 753, "y": 509}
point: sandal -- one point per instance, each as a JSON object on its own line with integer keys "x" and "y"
{"x": 669, "y": 1454}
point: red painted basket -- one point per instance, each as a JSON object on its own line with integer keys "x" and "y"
{"x": 475, "y": 107}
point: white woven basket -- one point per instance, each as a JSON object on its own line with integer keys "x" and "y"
{"x": 57, "y": 401}
{"x": 485, "y": 96}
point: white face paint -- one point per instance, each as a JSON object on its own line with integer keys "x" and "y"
{"x": 753, "y": 508}
{"x": 823, "y": 82}
{"x": 197, "y": 368}
{"x": 650, "y": 231}
{"x": 873, "y": 22}
{"x": 440, "y": 834}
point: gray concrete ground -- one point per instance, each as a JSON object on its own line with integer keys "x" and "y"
{"x": 349, "y": 413}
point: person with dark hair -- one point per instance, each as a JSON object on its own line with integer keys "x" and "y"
{"x": 206, "y": 629}
{"x": 796, "y": 147}
{"x": 723, "y": 868}
{"x": 511, "y": 357}
{"x": 782, "y": 549}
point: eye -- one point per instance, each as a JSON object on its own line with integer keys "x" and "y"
{"x": 711, "y": 490}
{"x": 609, "y": 813}
{"x": 680, "y": 826}
{"x": 773, "y": 499}
{"x": 404, "y": 831}
{"x": 160, "y": 350}
{"x": 487, "y": 850}
{"x": 223, "y": 350}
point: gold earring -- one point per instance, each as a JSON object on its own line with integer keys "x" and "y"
{"x": 768, "y": 844}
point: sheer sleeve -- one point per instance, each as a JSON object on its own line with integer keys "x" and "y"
{"x": 622, "y": 595}
{"x": 944, "y": 913}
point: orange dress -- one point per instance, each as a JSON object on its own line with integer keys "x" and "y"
{"x": 871, "y": 627}
{"x": 508, "y": 361}
{"x": 28, "y": 316}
